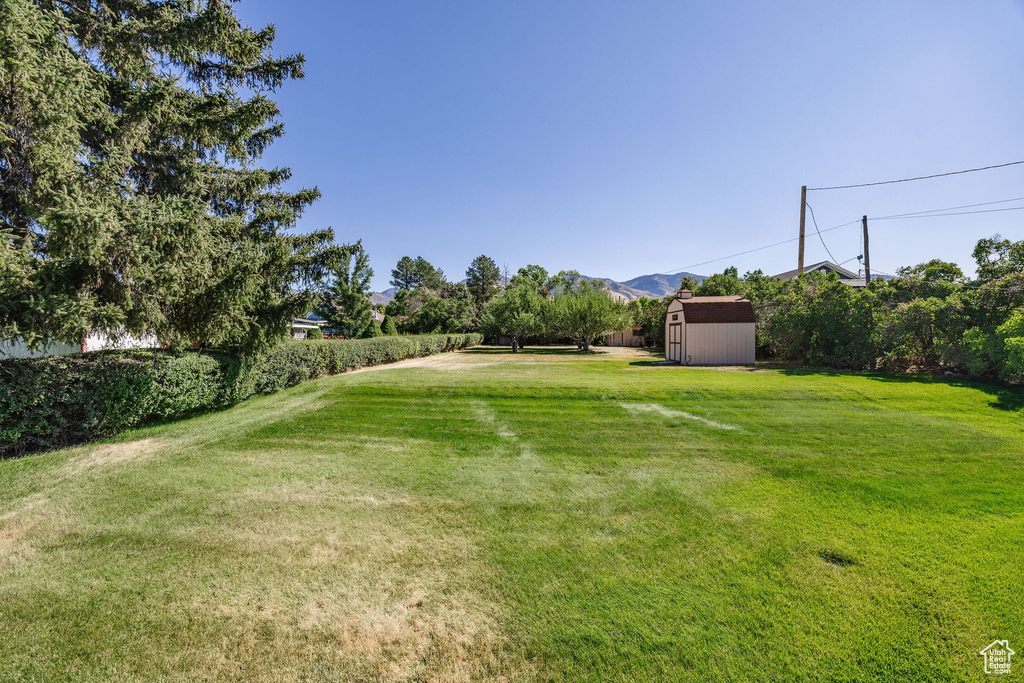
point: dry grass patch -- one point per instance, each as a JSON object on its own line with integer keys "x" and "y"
{"x": 378, "y": 601}
{"x": 114, "y": 454}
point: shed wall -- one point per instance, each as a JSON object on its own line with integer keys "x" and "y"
{"x": 720, "y": 343}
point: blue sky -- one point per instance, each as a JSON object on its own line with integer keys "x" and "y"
{"x": 625, "y": 138}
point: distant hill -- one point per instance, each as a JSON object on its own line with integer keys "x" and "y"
{"x": 620, "y": 290}
{"x": 652, "y": 286}
{"x": 659, "y": 283}
{"x": 383, "y": 298}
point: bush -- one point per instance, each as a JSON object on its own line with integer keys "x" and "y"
{"x": 46, "y": 403}
{"x": 372, "y": 330}
{"x": 388, "y": 328}
{"x": 315, "y": 333}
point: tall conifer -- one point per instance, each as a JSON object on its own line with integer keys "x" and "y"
{"x": 130, "y": 196}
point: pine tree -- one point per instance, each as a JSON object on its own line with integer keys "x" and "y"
{"x": 404, "y": 275}
{"x": 411, "y": 275}
{"x": 345, "y": 302}
{"x": 482, "y": 278}
{"x": 429, "y": 276}
{"x": 130, "y": 198}
{"x": 388, "y": 328}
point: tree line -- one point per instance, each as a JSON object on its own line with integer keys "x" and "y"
{"x": 530, "y": 305}
{"x": 930, "y": 316}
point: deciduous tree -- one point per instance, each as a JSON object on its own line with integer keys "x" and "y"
{"x": 516, "y": 313}
{"x": 534, "y": 276}
{"x": 587, "y": 312}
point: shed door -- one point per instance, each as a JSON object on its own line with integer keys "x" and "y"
{"x": 675, "y": 341}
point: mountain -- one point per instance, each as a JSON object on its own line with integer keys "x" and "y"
{"x": 660, "y": 283}
{"x": 622, "y": 291}
{"x": 651, "y": 286}
{"x": 383, "y": 298}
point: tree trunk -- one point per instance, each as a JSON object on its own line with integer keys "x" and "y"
{"x": 515, "y": 346}
{"x": 586, "y": 347}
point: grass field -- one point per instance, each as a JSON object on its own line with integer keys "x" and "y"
{"x": 543, "y": 516}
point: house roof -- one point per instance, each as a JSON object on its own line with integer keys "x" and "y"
{"x": 717, "y": 309}
{"x": 827, "y": 266}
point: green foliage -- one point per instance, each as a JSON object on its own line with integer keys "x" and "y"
{"x": 315, "y": 333}
{"x": 999, "y": 353}
{"x": 689, "y": 282}
{"x": 585, "y": 312}
{"x": 131, "y": 200}
{"x": 997, "y": 257}
{"x": 345, "y": 302}
{"x": 411, "y": 275}
{"x": 935, "y": 278}
{"x": 726, "y": 283}
{"x": 564, "y": 281}
{"x": 649, "y": 314}
{"x": 372, "y": 330}
{"x": 57, "y": 401}
{"x": 400, "y": 305}
{"x": 533, "y": 276}
{"x": 517, "y": 313}
{"x": 404, "y": 276}
{"x": 388, "y": 328}
{"x": 1012, "y": 334}
{"x": 911, "y": 332}
{"x": 927, "y": 317}
{"x": 816, "y": 319}
{"x": 449, "y": 312}
{"x": 482, "y": 280}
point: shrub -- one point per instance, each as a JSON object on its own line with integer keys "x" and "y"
{"x": 51, "y": 402}
{"x": 372, "y": 330}
{"x": 315, "y": 333}
{"x": 388, "y": 328}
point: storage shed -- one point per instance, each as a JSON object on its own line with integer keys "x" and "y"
{"x": 709, "y": 330}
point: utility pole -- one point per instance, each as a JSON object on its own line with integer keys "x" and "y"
{"x": 867, "y": 256}
{"x": 803, "y": 219}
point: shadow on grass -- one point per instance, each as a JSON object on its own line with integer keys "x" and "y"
{"x": 551, "y": 351}
{"x": 1003, "y": 397}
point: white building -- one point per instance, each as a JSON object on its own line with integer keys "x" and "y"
{"x": 709, "y": 330}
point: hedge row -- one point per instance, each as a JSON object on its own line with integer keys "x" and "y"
{"x": 46, "y": 403}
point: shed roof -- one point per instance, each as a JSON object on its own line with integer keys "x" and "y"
{"x": 717, "y": 309}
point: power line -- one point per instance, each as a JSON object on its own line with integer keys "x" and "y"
{"x": 931, "y": 213}
{"x": 750, "y": 251}
{"x": 815, "y": 221}
{"x": 923, "y": 177}
{"x": 939, "y": 215}
{"x": 953, "y": 208}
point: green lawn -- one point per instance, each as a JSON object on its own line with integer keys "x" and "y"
{"x": 540, "y": 516}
